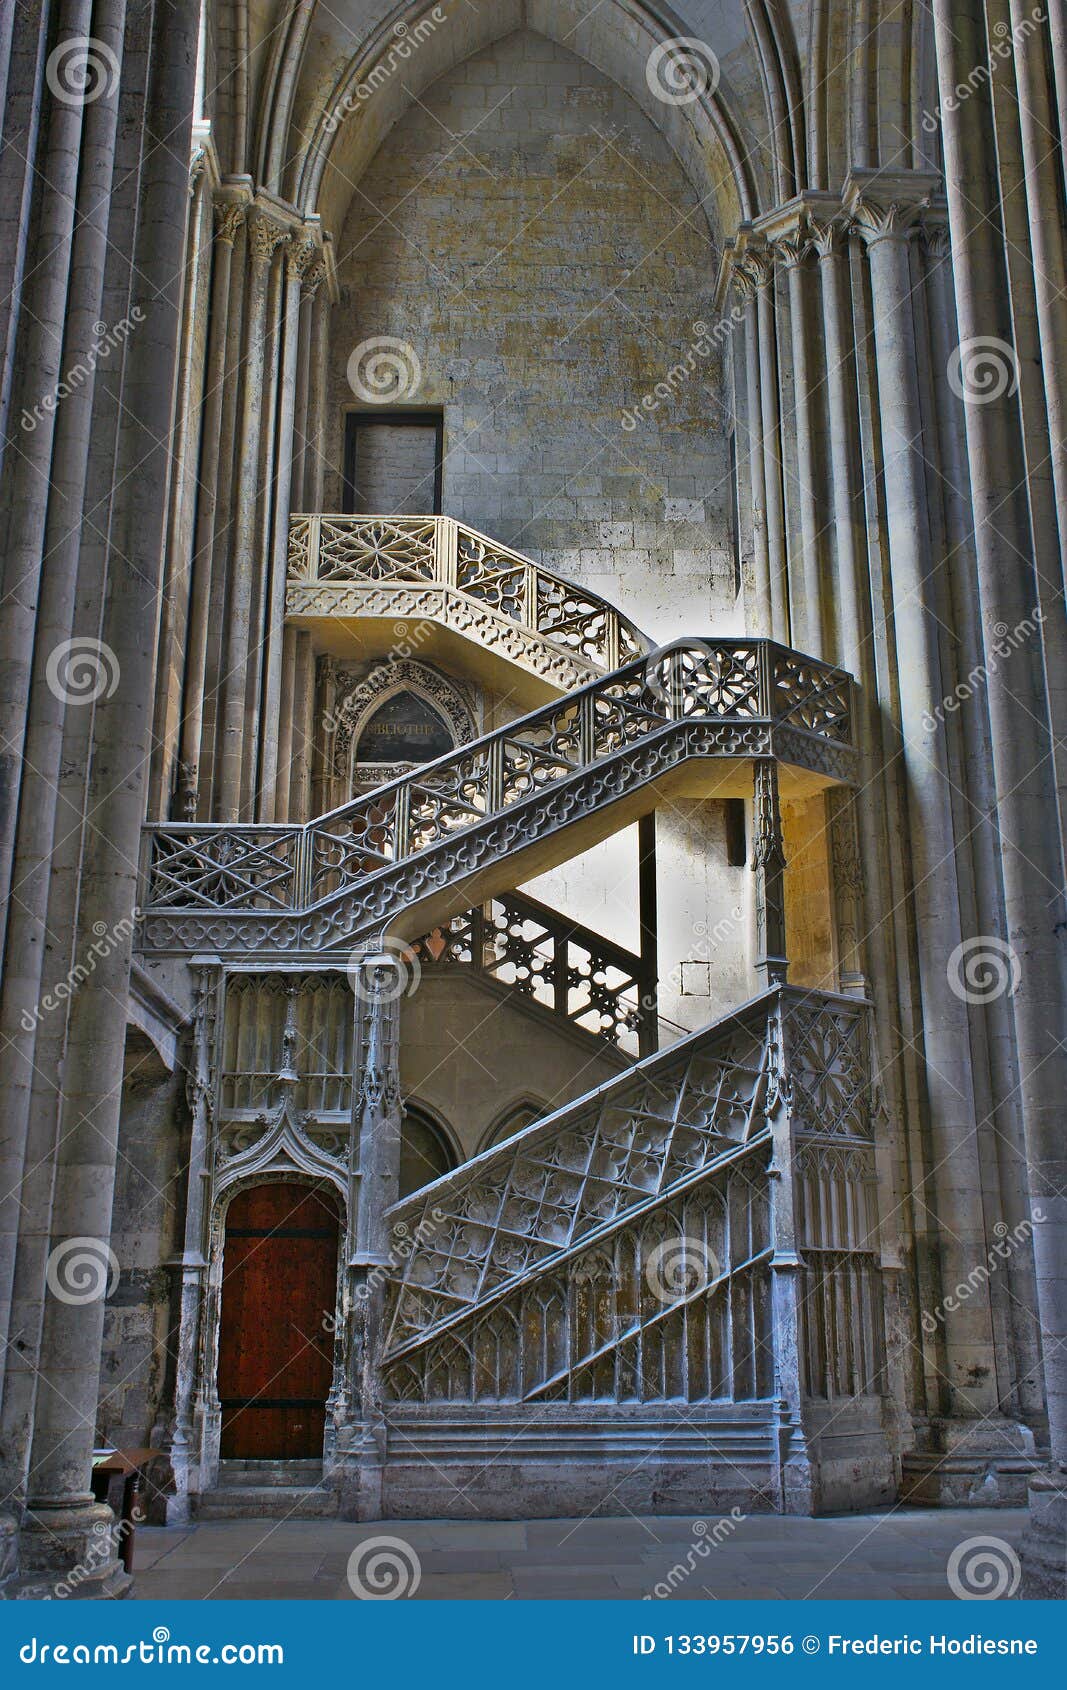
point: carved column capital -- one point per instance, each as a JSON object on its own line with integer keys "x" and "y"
{"x": 792, "y": 246}
{"x": 935, "y": 236}
{"x": 827, "y": 236}
{"x": 299, "y": 255}
{"x": 314, "y": 276}
{"x": 888, "y": 205}
{"x": 197, "y": 167}
{"x": 228, "y": 220}
{"x": 757, "y": 266}
{"x": 264, "y": 238}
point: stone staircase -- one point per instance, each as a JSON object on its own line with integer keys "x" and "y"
{"x": 488, "y": 816}
{"x": 268, "y": 1490}
{"x": 675, "y": 1275}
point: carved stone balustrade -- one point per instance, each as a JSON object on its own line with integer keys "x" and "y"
{"x": 436, "y": 573}
{"x": 555, "y": 964}
{"x": 500, "y": 809}
{"x": 699, "y": 1232}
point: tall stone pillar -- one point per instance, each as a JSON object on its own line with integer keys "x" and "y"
{"x": 885, "y": 208}
{"x": 379, "y": 979}
{"x": 1044, "y": 186}
{"x": 745, "y": 286}
{"x": 760, "y": 265}
{"x": 200, "y": 1097}
{"x": 228, "y": 218}
{"x": 996, "y": 1069}
{"x": 166, "y": 785}
{"x": 61, "y": 1511}
{"x": 52, "y": 685}
{"x": 792, "y": 245}
{"x": 264, "y": 237}
{"x": 1021, "y": 750}
{"x": 24, "y": 493}
{"x": 316, "y": 456}
{"x": 298, "y": 256}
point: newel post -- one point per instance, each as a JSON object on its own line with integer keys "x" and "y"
{"x": 787, "y": 1271}
{"x": 378, "y": 979}
{"x": 768, "y": 865}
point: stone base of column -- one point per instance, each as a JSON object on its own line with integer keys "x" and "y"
{"x": 69, "y": 1550}
{"x": 363, "y": 1483}
{"x": 969, "y": 1464}
{"x": 1044, "y": 1546}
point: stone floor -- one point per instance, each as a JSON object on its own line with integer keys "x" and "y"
{"x": 899, "y": 1553}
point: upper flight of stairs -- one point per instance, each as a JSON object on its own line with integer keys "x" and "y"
{"x": 496, "y": 812}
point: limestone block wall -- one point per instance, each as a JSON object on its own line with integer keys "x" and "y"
{"x": 508, "y": 274}
{"x": 471, "y": 1058}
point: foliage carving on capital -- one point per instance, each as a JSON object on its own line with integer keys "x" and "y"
{"x": 228, "y": 220}
{"x": 886, "y": 219}
{"x": 299, "y": 256}
{"x": 757, "y": 267}
{"x": 314, "y": 276}
{"x": 793, "y": 246}
{"x": 265, "y": 236}
{"x": 826, "y": 236}
{"x": 936, "y": 237}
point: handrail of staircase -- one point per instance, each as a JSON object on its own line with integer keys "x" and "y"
{"x": 285, "y": 867}
{"x": 605, "y": 1159}
{"x": 563, "y": 967}
{"x": 335, "y": 549}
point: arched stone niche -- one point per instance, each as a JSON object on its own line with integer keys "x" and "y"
{"x": 413, "y": 712}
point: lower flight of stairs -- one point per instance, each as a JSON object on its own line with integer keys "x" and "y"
{"x": 268, "y": 1490}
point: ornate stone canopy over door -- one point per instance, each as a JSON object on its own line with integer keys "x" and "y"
{"x": 275, "y": 1346}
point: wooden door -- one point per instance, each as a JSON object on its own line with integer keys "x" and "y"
{"x": 279, "y": 1291}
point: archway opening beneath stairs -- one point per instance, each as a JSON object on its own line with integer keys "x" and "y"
{"x": 279, "y": 1290}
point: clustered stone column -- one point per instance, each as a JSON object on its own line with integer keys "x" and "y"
{"x": 98, "y": 541}
{"x": 877, "y": 444}
{"x": 1022, "y": 703}
{"x": 231, "y": 720}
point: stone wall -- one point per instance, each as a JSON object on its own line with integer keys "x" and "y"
{"x": 547, "y": 272}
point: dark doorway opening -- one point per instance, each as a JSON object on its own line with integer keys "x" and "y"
{"x": 393, "y": 463}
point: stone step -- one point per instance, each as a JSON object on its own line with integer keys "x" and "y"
{"x": 267, "y": 1502}
{"x": 306, "y": 1473}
